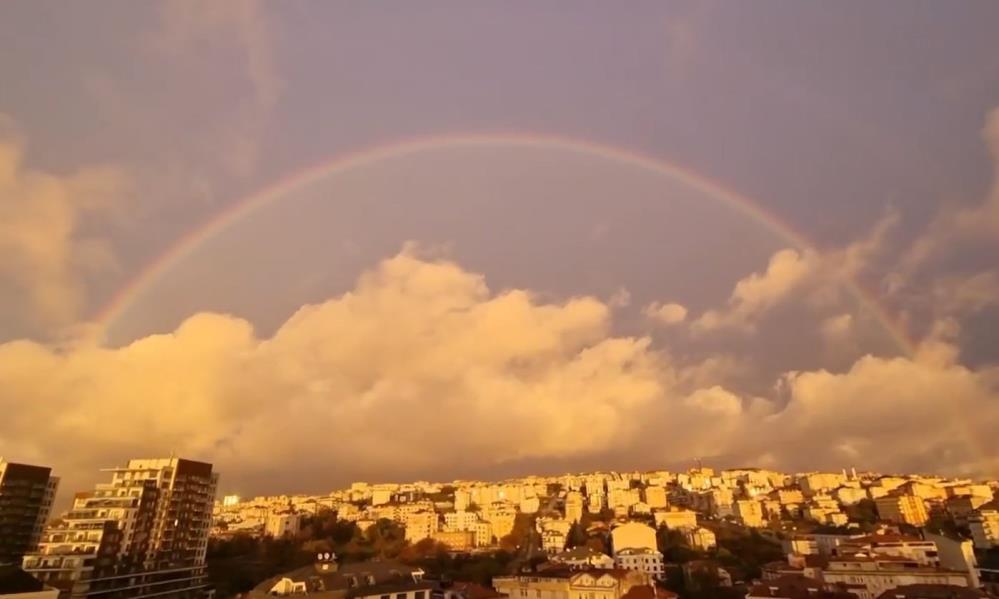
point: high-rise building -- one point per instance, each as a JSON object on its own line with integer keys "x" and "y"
{"x": 143, "y": 534}
{"x": 26, "y": 494}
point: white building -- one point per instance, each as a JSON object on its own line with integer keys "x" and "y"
{"x": 633, "y": 535}
{"x": 283, "y": 523}
{"x": 649, "y": 561}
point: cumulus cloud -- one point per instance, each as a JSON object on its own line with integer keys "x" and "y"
{"x": 421, "y": 369}
{"x": 418, "y": 363}
{"x": 43, "y": 253}
{"x": 666, "y": 314}
{"x": 758, "y": 292}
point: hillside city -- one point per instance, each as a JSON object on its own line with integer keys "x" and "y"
{"x": 155, "y": 528}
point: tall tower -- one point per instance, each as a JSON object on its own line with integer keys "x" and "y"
{"x": 26, "y": 494}
{"x": 143, "y": 533}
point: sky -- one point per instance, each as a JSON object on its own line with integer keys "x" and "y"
{"x": 320, "y": 242}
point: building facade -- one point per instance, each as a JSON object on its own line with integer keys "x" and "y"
{"x": 143, "y": 534}
{"x": 26, "y": 495}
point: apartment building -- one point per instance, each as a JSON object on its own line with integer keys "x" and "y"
{"x": 143, "y": 534}
{"x": 750, "y": 513}
{"x": 984, "y": 525}
{"x": 568, "y": 584}
{"x": 643, "y": 559}
{"x": 921, "y": 551}
{"x": 905, "y": 509}
{"x": 869, "y": 576}
{"x": 675, "y": 519}
{"x": 26, "y": 495}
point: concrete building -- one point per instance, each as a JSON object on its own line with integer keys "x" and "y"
{"x": 795, "y": 587}
{"x": 583, "y": 557}
{"x": 633, "y": 535}
{"x": 956, "y": 554}
{"x": 501, "y": 516}
{"x": 749, "y": 513}
{"x": 700, "y": 538}
{"x": 904, "y": 509}
{"x": 462, "y": 499}
{"x": 655, "y": 497}
{"x": 573, "y": 506}
{"x": 870, "y": 576}
{"x": 26, "y": 495}
{"x": 421, "y": 525}
{"x": 984, "y": 525}
{"x": 553, "y": 541}
{"x": 675, "y": 519}
{"x": 325, "y": 579}
{"x": 483, "y": 534}
{"x": 145, "y": 532}
{"x": 921, "y": 551}
{"x": 456, "y": 540}
{"x": 565, "y": 584}
{"x": 649, "y": 561}
{"x": 284, "y": 523}
{"x": 460, "y": 520}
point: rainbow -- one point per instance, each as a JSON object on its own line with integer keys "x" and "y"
{"x": 135, "y": 289}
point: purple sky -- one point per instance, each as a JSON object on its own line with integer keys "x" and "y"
{"x": 866, "y": 127}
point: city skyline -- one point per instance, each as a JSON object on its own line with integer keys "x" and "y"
{"x": 324, "y": 242}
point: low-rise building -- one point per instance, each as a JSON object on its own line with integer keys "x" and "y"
{"x": 868, "y": 576}
{"x": 583, "y": 557}
{"x": 325, "y": 579}
{"x": 675, "y": 518}
{"x": 633, "y": 535}
{"x": 649, "y": 561}
{"x": 456, "y": 540}
{"x": 795, "y": 587}
{"x": 285, "y": 523}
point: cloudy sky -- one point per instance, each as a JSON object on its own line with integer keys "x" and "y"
{"x": 318, "y": 242}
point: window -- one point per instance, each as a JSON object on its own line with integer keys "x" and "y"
{"x": 400, "y": 596}
{"x": 421, "y": 594}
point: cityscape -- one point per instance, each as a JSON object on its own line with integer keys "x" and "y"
{"x": 157, "y": 527}
{"x": 499, "y": 299}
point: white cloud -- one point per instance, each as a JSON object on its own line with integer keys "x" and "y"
{"x": 666, "y": 314}
{"x": 421, "y": 367}
{"x": 757, "y": 293}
